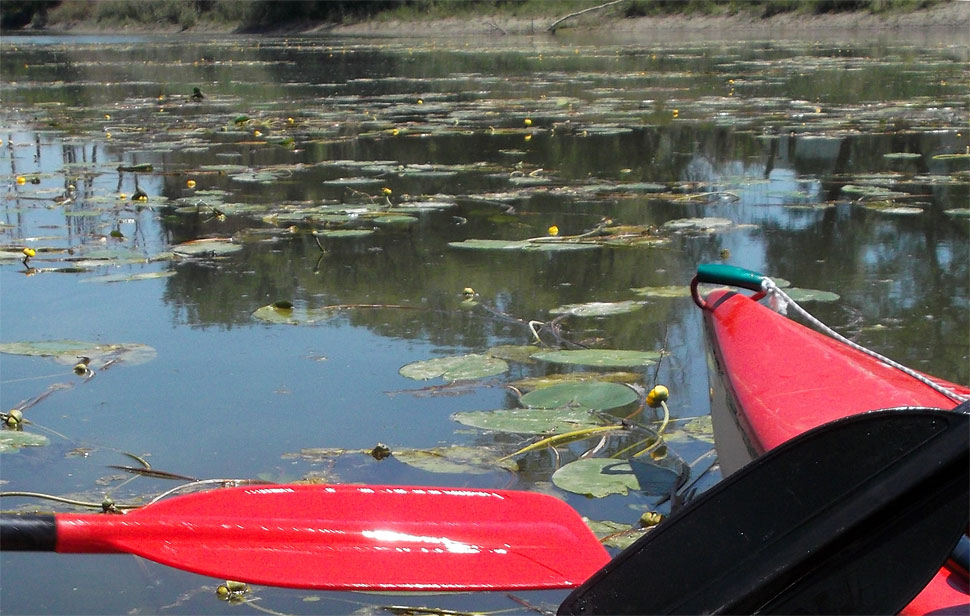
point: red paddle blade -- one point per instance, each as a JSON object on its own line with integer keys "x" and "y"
{"x": 346, "y": 537}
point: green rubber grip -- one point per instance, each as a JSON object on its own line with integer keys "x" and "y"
{"x": 719, "y": 273}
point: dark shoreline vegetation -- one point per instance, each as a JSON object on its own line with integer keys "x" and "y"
{"x": 255, "y": 16}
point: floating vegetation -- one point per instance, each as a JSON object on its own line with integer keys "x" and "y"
{"x": 67, "y": 352}
{"x": 284, "y": 312}
{"x": 529, "y": 421}
{"x": 464, "y": 367}
{"x": 14, "y": 440}
{"x": 871, "y": 192}
{"x": 668, "y": 291}
{"x": 589, "y": 395}
{"x": 605, "y": 358}
{"x": 598, "y": 309}
{"x": 207, "y": 247}
{"x": 538, "y": 382}
{"x": 455, "y": 459}
{"x": 597, "y": 477}
{"x": 705, "y": 225}
{"x": 489, "y": 244}
{"x": 811, "y": 295}
{"x": 891, "y": 207}
{"x": 110, "y": 278}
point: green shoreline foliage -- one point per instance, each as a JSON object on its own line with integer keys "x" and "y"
{"x": 272, "y": 15}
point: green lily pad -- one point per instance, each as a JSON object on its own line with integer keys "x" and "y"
{"x": 596, "y": 477}
{"x": 513, "y": 352}
{"x": 657, "y": 477}
{"x": 599, "y": 309}
{"x": 616, "y": 535}
{"x": 603, "y": 528}
{"x": 607, "y": 358}
{"x": 129, "y": 277}
{"x": 395, "y": 219}
{"x": 528, "y": 421}
{"x": 698, "y": 225}
{"x": 700, "y": 428}
{"x": 871, "y": 192}
{"x": 538, "y": 382}
{"x": 344, "y": 233}
{"x": 891, "y": 207}
{"x": 455, "y": 459}
{"x": 677, "y": 290}
{"x": 285, "y": 313}
{"x": 584, "y": 394}
{"x": 210, "y": 247}
{"x": 811, "y": 295}
{"x": 472, "y": 366}
{"x": 488, "y": 244}
{"x": 67, "y": 351}
{"x": 13, "y": 440}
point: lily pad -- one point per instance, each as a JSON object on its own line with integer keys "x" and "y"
{"x": 209, "y": 247}
{"x": 472, "y": 366}
{"x": 13, "y": 440}
{"x": 700, "y": 428}
{"x": 67, "y": 351}
{"x": 607, "y": 358}
{"x": 395, "y": 219}
{"x": 585, "y": 395}
{"x": 344, "y": 233}
{"x": 455, "y": 459}
{"x": 528, "y": 421}
{"x": 698, "y": 225}
{"x": 811, "y": 295}
{"x": 538, "y": 382}
{"x": 871, "y": 192}
{"x": 656, "y": 477}
{"x": 488, "y": 244}
{"x": 596, "y": 477}
{"x": 129, "y": 277}
{"x": 677, "y": 290}
{"x": 599, "y": 309}
{"x": 285, "y": 313}
{"x": 512, "y": 352}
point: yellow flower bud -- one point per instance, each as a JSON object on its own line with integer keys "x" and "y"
{"x": 657, "y": 395}
{"x": 190, "y": 183}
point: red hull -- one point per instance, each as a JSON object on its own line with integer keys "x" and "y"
{"x": 773, "y": 379}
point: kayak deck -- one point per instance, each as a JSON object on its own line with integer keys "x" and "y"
{"x": 784, "y": 378}
{"x": 773, "y": 379}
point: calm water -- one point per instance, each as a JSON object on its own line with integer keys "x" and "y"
{"x": 821, "y": 160}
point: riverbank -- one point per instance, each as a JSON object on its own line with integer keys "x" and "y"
{"x": 952, "y": 18}
{"x": 946, "y": 22}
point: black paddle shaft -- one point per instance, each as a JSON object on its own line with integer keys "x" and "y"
{"x": 853, "y": 517}
{"x": 30, "y": 533}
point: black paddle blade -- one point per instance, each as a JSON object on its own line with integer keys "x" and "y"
{"x": 854, "y": 517}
